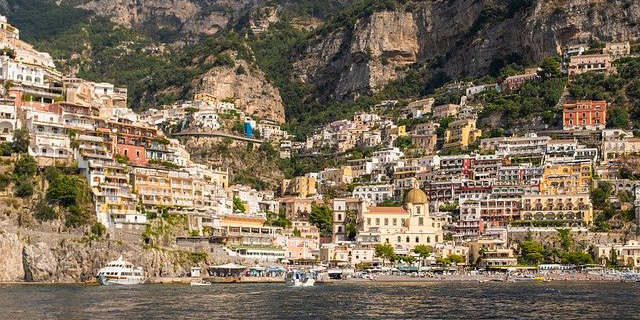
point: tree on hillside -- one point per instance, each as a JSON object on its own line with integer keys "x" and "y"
{"x": 564, "y": 235}
{"x": 322, "y": 217}
{"x": 20, "y": 141}
{"x": 531, "y": 252}
{"x": 26, "y": 166}
{"x": 549, "y": 68}
{"x": 238, "y": 206}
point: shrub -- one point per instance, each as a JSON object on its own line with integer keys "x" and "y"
{"x": 66, "y": 191}
{"x": 52, "y": 174}
{"x": 224, "y": 60}
{"x": 76, "y": 216}
{"x": 24, "y": 188}
{"x": 5, "y": 149}
{"x": 20, "y": 141}
{"x": 44, "y": 212}
{"x": 5, "y": 180}
{"x": 98, "y": 229}
{"x": 25, "y": 166}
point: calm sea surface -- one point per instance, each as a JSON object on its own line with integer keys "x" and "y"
{"x": 331, "y": 301}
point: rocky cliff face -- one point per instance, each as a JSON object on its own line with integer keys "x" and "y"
{"x": 459, "y": 37}
{"x": 247, "y": 85}
{"x": 187, "y": 19}
{"x": 11, "y": 257}
{"x": 71, "y": 261}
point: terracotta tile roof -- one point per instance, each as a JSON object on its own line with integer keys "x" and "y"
{"x": 387, "y": 210}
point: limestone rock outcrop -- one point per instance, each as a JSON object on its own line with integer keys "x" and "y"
{"x": 249, "y": 87}
{"x": 459, "y": 37}
{"x": 188, "y": 19}
{"x": 10, "y": 257}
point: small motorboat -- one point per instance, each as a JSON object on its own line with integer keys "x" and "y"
{"x": 299, "y": 279}
{"x": 200, "y": 283}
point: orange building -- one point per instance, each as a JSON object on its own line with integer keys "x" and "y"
{"x": 584, "y": 115}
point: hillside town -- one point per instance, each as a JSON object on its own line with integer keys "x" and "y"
{"x": 418, "y": 185}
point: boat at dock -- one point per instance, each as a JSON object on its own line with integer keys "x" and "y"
{"x": 200, "y": 283}
{"x": 120, "y": 272}
{"x": 299, "y": 279}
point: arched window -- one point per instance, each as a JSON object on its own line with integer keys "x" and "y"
{"x": 417, "y": 239}
{"x": 399, "y": 239}
{"x": 408, "y": 239}
{"x": 428, "y": 239}
{"x": 339, "y": 217}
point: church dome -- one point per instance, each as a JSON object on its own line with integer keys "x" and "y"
{"x": 416, "y": 196}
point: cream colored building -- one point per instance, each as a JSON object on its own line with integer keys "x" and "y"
{"x": 447, "y": 249}
{"x": 628, "y": 254}
{"x": 347, "y": 254}
{"x": 402, "y": 227}
{"x": 613, "y": 148}
{"x": 337, "y": 175}
{"x": 461, "y": 133}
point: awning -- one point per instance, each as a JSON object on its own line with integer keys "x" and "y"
{"x": 408, "y": 269}
{"x": 228, "y": 266}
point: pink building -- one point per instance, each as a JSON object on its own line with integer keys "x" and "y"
{"x": 515, "y": 82}
{"x": 300, "y": 248}
{"x": 586, "y": 63}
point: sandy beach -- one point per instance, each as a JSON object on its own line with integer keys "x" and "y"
{"x": 487, "y": 278}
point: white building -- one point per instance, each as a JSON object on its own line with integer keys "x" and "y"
{"x": 8, "y": 121}
{"x": 374, "y": 194}
{"x": 207, "y": 120}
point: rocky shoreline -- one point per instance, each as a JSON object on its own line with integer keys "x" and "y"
{"x": 76, "y": 259}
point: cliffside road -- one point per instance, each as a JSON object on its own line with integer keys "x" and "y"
{"x": 214, "y": 134}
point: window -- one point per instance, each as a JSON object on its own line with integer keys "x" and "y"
{"x": 420, "y": 221}
{"x": 386, "y": 221}
{"x": 399, "y": 239}
{"x": 369, "y": 221}
{"x": 407, "y": 239}
{"x": 339, "y": 217}
{"x": 395, "y": 221}
{"x": 428, "y": 239}
{"x": 377, "y": 221}
{"x": 417, "y": 239}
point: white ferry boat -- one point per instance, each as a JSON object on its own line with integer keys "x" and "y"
{"x": 120, "y": 272}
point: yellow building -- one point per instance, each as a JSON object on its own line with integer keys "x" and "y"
{"x": 203, "y": 96}
{"x": 569, "y": 210}
{"x": 402, "y": 227}
{"x": 461, "y": 133}
{"x": 574, "y": 178}
{"x": 399, "y": 131}
{"x": 298, "y": 186}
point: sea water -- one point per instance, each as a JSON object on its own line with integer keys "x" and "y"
{"x": 445, "y": 300}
